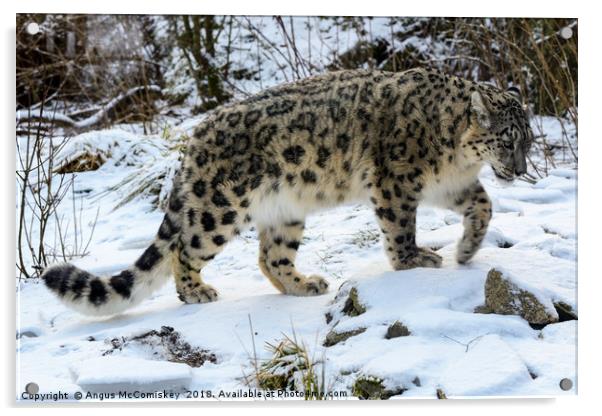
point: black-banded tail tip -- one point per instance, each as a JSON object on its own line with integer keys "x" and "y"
{"x": 94, "y": 295}
{"x": 68, "y": 281}
{"x": 77, "y": 288}
{"x": 63, "y": 278}
{"x": 57, "y": 277}
{"x": 90, "y": 294}
{"x": 71, "y": 284}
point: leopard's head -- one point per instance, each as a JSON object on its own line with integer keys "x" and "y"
{"x": 501, "y": 135}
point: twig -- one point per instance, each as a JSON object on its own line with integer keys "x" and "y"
{"x": 467, "y": 345}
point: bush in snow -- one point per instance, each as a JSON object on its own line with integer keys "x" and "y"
{"x": 290, "y": 368}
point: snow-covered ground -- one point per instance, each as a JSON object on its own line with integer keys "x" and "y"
{"x": 532, "y": 236}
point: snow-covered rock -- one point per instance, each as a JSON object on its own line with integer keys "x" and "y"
{"x": 506, "y": 295}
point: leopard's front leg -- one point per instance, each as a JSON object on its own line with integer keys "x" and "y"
{"x": 395, "y": 208}
{"x": 474, "y": 204}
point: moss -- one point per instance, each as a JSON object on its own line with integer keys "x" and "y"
{"x": 372, "y": 388}
{"x": 333, "y": 337}
{"x": 268, "y": 381}
{"x": 368, "y": 388}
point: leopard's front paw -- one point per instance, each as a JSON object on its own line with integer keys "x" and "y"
{"x": 316, "y": 285}
{"x": 422, "y": 257}
{"x": 307, "y": 286}
{"x": 466, "y": 250}
{"x": 203, "y": 293}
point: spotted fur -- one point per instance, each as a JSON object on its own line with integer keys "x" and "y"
{"x": 393, "y": 140}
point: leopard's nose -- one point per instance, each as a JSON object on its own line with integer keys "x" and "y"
{"x": 520, "y": 169}
{"x": 520, "y": 162}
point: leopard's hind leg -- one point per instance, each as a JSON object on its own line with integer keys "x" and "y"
{"x": 187, "y": 275}
{"x": 209, "y": 220}
{"x": 277, "y": 252}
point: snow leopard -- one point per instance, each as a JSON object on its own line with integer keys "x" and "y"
{"x": 392, "y": 140}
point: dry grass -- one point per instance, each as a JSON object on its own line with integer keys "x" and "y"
{"x": 290, "y": 368}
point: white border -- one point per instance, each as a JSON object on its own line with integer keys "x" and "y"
{"x": 589, "y": 209}
{"x": 507, "y": 8}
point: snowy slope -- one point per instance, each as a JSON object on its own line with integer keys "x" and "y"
{"x": 532, "y": 235}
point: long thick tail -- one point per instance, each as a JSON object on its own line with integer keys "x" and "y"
{"x": 109, "y": 295}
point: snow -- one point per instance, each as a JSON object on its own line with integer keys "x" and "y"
{"x": 464, "y": 377}
{"x": 88, "y": 122}
{"x": 109, "y": 374}
{"x": 532, "y": 237}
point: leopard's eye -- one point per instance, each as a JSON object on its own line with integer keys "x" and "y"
{"x": 508, "y": 145}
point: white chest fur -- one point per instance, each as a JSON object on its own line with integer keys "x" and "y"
{"x": 440, "y": 189}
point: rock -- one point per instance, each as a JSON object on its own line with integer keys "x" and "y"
{"x": 27, "y": 334}
{"x": 352, "y": 306}
{"x": 334, "y": 337}
{"x": 565, "y": 312}
{"x": 505, "y": 297}
{"x": 482, "y": 309}
{"x": 112, "y": 374}
{"x": 167, "y": 344}
{"x": 32, "y": 331}
{"x": 441, "y": 394}
{"x": 396, "y": 330}
{"x": 345, "y": 303}
{"x": 372, "y": 388}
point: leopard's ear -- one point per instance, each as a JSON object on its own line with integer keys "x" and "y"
{"x": 481, "y": 111}
{"x": 516, "y": 92}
